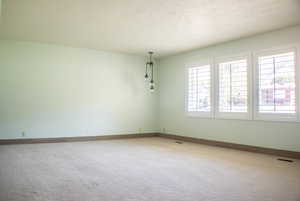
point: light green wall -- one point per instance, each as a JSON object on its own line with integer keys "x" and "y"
{"x": 0, "y": 10}
{"x": 56, "y": 91}
{"x": 280, "y": 135}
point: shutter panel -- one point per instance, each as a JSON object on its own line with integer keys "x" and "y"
{"x": 277, "y": 85}
{"x": 199, "y": 89}
{"x": 233, "y": 87}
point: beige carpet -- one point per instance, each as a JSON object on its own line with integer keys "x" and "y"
{"x": 145, "y": 169}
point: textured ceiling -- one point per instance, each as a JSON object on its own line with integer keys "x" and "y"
{"x": 136, "y": 26}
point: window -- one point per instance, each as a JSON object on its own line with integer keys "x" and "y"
{"x": 276, "y": 86}
{"x": 199, "y": 91}
{"x": 233, "y": 88}
{"x": 232, "y": 91}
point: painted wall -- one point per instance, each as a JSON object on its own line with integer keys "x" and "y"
{"x": 173, "y": 120}
{"x": 0, "y": 10}
{"x": 56, "y": 91}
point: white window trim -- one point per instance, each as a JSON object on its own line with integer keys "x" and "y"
{"x": 234, "y": 115}
{"x": 297, "y": 72}
{"x": 200, "y": 114}
{"x": 270, "y": 116}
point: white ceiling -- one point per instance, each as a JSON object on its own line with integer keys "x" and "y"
{"x": 136, "y": 26}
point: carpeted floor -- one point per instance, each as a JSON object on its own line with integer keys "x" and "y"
{"x": 145, "y": 169}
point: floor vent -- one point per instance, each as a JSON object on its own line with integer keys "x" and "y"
{"x": 178, "y": 142}
{"x": 285, "y": 160}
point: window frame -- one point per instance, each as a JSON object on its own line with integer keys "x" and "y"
{"x": 297, "y": 72}
{"x": 200, "y": 114}
{"x": 271, "y": 116}
{"x": 234, "y": 115}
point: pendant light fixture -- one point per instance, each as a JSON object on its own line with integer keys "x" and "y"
{"x": 149, "y": 67}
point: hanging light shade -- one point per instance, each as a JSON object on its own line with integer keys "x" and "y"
{"x": 149, "y": 72}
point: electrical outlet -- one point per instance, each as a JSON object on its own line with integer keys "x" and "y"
{"x": 23, "y": 134}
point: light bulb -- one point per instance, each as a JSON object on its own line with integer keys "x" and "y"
{"x": 152, "y": 88}
{"x": 146, "y": 76}
{"x": 151, "y": 85}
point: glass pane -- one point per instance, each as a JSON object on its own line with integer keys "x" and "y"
{"x": 233, "y": 87}
{"x": 277, "y": 84}
{"x": 199, "y": 89}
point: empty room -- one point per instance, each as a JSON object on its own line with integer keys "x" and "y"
{"x": 163, "y": 100}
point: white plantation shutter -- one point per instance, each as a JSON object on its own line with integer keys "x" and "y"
{"x": 199, "y": 89}
{"x": 233, "y": 87}
{"x": 276, "y": 87}
{"x": 236, "y": 89}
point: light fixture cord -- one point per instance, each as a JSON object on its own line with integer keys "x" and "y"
{"x": 152, "y": 76}
{"x": 146, "y": 69}
{"x": 151, "y": 65}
